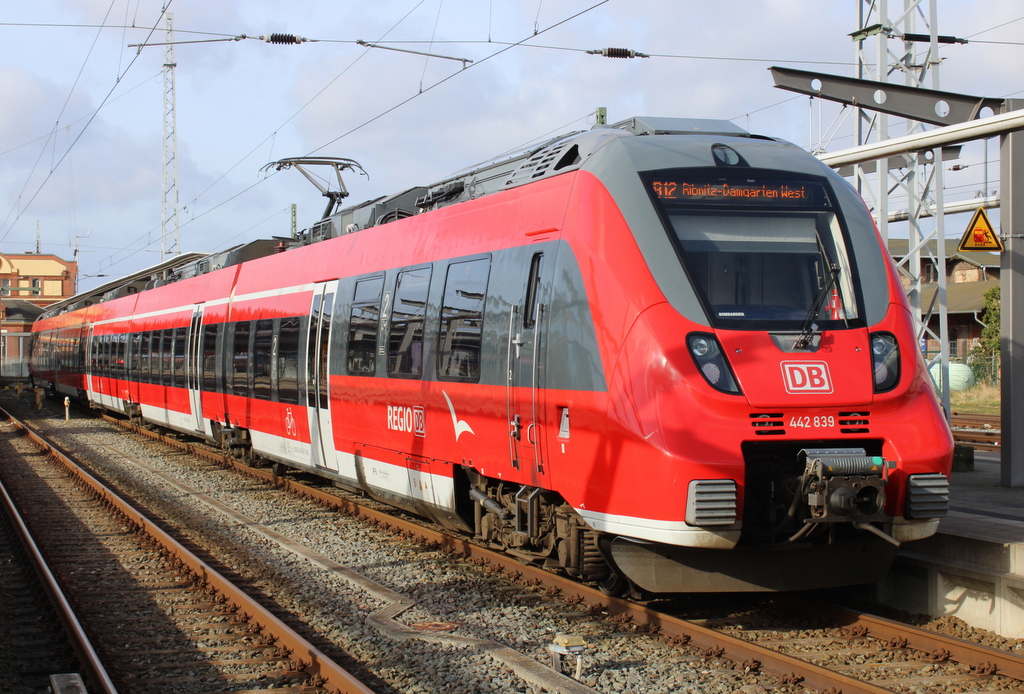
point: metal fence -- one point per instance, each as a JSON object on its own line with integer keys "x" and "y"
{"x": 986, "y": 369}
{"x": 14, "y": 354}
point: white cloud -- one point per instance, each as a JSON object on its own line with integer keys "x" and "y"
{"x": 242, "y": 104}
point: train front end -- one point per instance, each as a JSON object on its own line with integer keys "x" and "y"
{"x": 777, "y": 390}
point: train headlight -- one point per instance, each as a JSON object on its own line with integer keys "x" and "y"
{"x": 710, "y": 360}
{"x": 885, "y": 361}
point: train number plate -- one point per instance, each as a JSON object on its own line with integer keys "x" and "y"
{"x": 807, "y": 422}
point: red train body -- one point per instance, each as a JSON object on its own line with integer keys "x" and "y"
{"x": 665, "y": 355}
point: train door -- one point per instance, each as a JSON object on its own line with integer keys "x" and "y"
{"x": 318, "y": 364}
{"x": 525, "y": 374}
{"x": 194, "y": 368}
{"x": 91, "y": 371}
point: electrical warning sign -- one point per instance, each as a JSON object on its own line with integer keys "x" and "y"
{"x": 979, "y": 235}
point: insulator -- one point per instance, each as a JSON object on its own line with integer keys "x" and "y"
{"x": 283, "y": 38}
{"x": 618, "y": 53}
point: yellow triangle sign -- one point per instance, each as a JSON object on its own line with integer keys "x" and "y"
{"x": 980, "y": 235}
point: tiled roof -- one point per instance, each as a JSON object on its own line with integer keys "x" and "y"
{"x": 961, "y": 297}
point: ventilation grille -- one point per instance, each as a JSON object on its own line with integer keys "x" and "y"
{"x": 711, "y": 502}
{"x": 767, "y": 424}
{"x": 928, "y": 496}
{"x": 321, "y": 230}
{"x": 854, "y": 422}
{"x": 538, "y": 165}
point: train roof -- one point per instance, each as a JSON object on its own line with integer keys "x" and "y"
{"x": 557, "y": 155}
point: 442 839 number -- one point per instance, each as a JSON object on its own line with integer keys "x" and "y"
{"x": 809, "y": 422}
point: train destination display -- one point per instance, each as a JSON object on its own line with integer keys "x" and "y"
{"x": 781, "y": 193}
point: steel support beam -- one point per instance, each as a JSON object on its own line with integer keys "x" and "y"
{"x": 915, "y": 103}
{"x": 949, "y": 208}
{"x": 930, "y": 139}
{"x": 1011, "y": 340}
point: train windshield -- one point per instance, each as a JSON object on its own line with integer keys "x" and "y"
{"x": 762, "y": 252}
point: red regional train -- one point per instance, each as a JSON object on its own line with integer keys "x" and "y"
{"x": 665, "y": 355}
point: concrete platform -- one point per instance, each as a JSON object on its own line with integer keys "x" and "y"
{"x": 974, "y": 567}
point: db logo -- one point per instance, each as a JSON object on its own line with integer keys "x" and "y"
{"x": 806, "y": 377}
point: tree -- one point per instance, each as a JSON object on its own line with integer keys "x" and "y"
{"x": 989, "y": 343}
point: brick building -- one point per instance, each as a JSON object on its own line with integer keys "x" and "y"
{"x": 968, "y": 277}
{"x": 29, "y": 282}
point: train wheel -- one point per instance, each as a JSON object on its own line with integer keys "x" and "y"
{"x": 615, "y": 586}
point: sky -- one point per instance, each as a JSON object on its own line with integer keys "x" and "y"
{"x": 82, "y": 111}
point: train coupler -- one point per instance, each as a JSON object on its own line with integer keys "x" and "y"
{"x": 843, "y": 485}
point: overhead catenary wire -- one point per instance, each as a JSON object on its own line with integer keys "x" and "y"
{"x": 273, "y": 135}
{"x": 502, "y": 50}
{"x": 521, "y": 45}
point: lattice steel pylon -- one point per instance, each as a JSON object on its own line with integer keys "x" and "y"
{"x": 169, "y": 205}
{"x": 918, "y": 175}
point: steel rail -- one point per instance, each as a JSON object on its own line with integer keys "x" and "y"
{"x": 736, "y": 649}
{"x": 310, "y": 659}
{"x": 732, "y": 648}
{"x": 982, "y": 431}
{"x": 958, "y": 650}
{"x": 95, "y": 672}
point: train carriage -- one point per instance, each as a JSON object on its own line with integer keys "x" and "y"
{"x": 666, "y": 355}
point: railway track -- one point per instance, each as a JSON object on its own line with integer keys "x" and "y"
{"x": 794, "y": 642}
{"x": 981, "y": 431}
{"x": 38, "y": 653}
{"x": 770, "y": 644}
{"x": 161, "y": 619}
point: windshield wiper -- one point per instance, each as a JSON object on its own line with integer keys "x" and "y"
{"x": 809, "y": 326}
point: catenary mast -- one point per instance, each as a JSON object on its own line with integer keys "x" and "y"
{"x": 917, "y": 175}
{"x": 169, "y": 205}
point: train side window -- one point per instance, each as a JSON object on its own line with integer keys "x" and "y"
{"x": 81, "y": 351}
{"x": 462, "y": 314}
{"x": 105, "y": 356}
{"x": 405, "y": 342}
{"x": 288, "y": 361}
{"x": 180, "y": 342}
{"x": 122, "y": 356}
{"x": 111, "y": 355}
{"x": 530, "y": 310}
{"x": 262, "y": 344}
{"x": 363, "y": 326}
{"x": 210, "y": 332}
{"x": 135, "y": 356}
{"x": 166, "y": 356}
{"x": 154, "y": 357}
{"x": 325, "y": 348}
{"x": 144, "y": 358}
{"x": 152, "y": 367}
{"x": 240, "y": 360}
